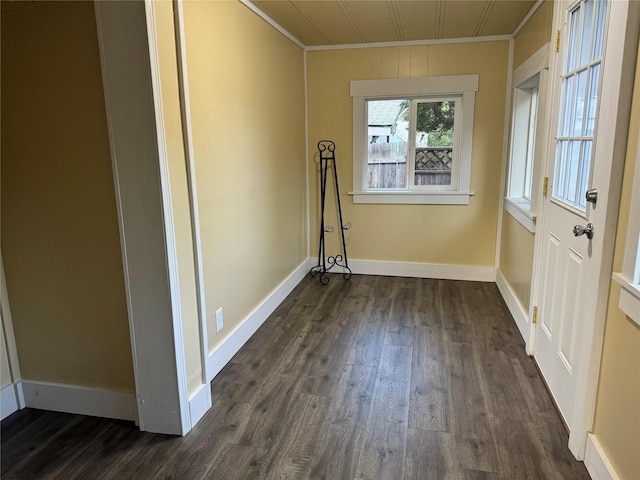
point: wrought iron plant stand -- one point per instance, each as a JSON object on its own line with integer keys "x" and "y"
{"x": 327, "y": 149}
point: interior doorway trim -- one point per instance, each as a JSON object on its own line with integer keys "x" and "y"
{"x": 145, "y": 221}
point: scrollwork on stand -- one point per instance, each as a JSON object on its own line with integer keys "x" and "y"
{"x": 332, "y": 261}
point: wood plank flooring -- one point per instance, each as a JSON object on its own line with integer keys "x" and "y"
{"x": 375, "y": 378}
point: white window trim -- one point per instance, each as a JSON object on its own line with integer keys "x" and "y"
{"x": 522, "y": 210}
{"x": 456, "y": 85}
{"x": 629, "y": 278}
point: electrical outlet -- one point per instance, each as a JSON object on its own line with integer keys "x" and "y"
{"x": 219, "y": 320}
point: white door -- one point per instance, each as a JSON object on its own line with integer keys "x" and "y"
{"x": 587, "y": 152}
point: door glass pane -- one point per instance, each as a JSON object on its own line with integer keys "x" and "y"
{"x": 560, "y": 173}
{"x": 578, "y": 112}
{"x": 566, "y": 112}
{"x": 572, "y": 177}
{"x": 573, "y": 39}
{"x": 587, "y": 28}
{"x": 592, "y": 101}
{"x": 585, "y": 169}
{"x": 599, "y": 33}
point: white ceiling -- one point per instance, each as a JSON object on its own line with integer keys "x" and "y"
{"x": 336, "y": 22}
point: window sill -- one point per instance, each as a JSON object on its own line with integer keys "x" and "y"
{"x": 521, "y": 211}
{"x": 629, "y": 297}
{"x": 412, "y": 197}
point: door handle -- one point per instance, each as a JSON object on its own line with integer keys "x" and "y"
{"x": 580, "y": 230}
{"x": 592, "y": 195}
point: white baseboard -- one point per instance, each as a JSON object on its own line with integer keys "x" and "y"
{"x": 518, "y": 312}
{"x": 220, "y": 356}
{"x": 80, "y": 400}
{"x": 199, "y": 403}
{"x": 419, "y": 270}
{"x": 11, "y": 399}
{"x": 597, "y": 462}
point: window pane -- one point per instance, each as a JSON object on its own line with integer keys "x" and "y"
{"x": 434, "y": 142}
{"x": 388, "y": 134}
{"x": 531, "y": 139}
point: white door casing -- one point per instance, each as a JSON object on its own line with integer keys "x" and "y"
{"x": 575, "y": 272}
{"x": 11, "y": 394}
{"x": 126, "y": 36}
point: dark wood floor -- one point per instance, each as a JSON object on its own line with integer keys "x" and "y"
{"x": 376, "y": 378}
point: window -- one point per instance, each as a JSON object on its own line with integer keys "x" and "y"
{"x": 629, "y": 278}
{"x": 525, "y": 114}
{"x": 412, "y": 139}
{"x": 527, "y": 127}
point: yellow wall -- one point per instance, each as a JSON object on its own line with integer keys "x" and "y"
{"x": 516, "y": 245}
{"x": 60, "y": 241}
{"x": 534, "y": 34}
{"x": 516, "y": 258}
{"x": 247, "y": 108}
{"x": 179, "y": 193}
{"x": 617, "y": 419}
{"x": 442, "y": 234}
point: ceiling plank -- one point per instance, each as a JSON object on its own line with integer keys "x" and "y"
{"x": 461, "y": 18}
{"x": 329, "y": 18}
{"x": 352, "y": 20}
{"x": 419, "y": 19}
{"x": 283, "y": 13}
{"x": 373, "y": 17}
{"x": 506, "y": 16}
{"x": 346, "y": 22}
{"x": 486, "y": 12}
{"x": 395, "y": 18}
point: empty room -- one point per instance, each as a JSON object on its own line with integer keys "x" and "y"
{"x": 333, "y": 239}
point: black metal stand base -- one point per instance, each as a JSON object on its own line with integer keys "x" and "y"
{"x": 327, "y": 149}
{"x": 323, "y": 269}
